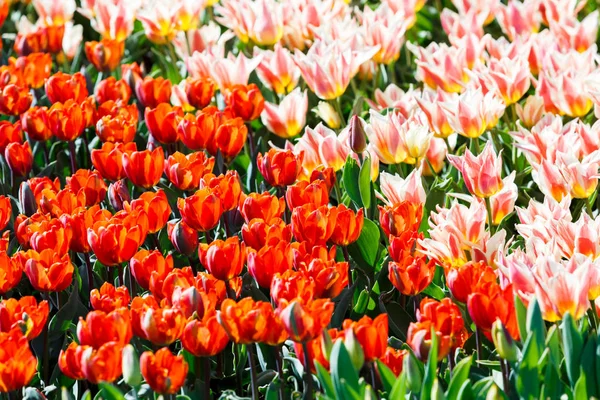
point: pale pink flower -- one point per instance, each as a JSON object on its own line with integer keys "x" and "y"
{"x": 458, "y": 26}
{"x": 555, "y": 10}
{"x": 509, "y": 77}
{"x": 199, "y": 64}
{"x": 113, "y": 19}
{"x": 54, "y": 13}
{"x": 394, "y": 97}
{"x": 259, "y": 21}
{"x": 384, "y": 28}
{"x": 486, "y": 8}
{"x": 231, "y": 71}
{"x": 395, "y": 189}
{"x": 409, "y": 8}
{"x": 72, "y": 39}
{"x": 286, "y": 119}
{"x": 386, "y": 134}
{"x": 160, "y": 20}
{"x": 429, "y": 103}
{"x": 565, "y": 92}
{"x": 503, "y": 202}
{"x": 321, "y": 146}
{"x": 472, "y": 113}
{"x": 575, "y": 34}
{"x": 436, "y": 156}
{"x": 277, "y": 69}
{"x": 206, "y": 38}
{"x": 482, "y": 173}
{"x": 531, "y": 112}
{"x": 519, "y": 18}
{"x": 439, "y": 65}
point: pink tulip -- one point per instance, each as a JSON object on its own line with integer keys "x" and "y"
{"x": 395, "y": 190}
{"x": 519, "y": 19}
{"x": 531, "y": 112}
{"x": 384, "y": 29}
{"x": 54, "y": 13}
{"x": 472, "y": 112}
{"x": 207, "y": 37}
{"x": 259, "y": 21}
{"x": 575, "y": 34}
{"x": 510, "y": 77}
{"x": 429, "y": 103}
{"x": 394, "y": 97}
{"x": 503, "y": 202}
{"x": 436, "y": 156}
{"x": 277, "y": 70}
{"x": 386, "y": 134}
{"x": 481, "y": 173}
{"x": 287, "y": 119}
{"x": 231, "y": 71}
{"x": 457, "y": 25}
{"x": 441, "y": 66}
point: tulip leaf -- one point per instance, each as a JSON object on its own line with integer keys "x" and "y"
{"x": 342, "y": 371}
{"x": 535, "y": 323}
{"x": 552, "y": 384}
{"x": 388, "y": 378}
{"x": 434, "y": 291}
{"x": 110, "y": 392}
{"x": 430, "y": 368}
{"x": 399, "y": 389}
{"x": 588, "y": 365}
{"x": 62, "y": 319}
{"x": 465, "y": 392}
{"x": 521, "y": 312}
{"x": 528, "y": 382}
{"x": 580, "y": 389}
{"x": 460, "y": 374}
{"x": 364, "y": 250}
{"x": 350, "y": 178}
{"x": 572, "y": 347}
{"x": 399, "y": 319}
{"x": 364, "y": 182}
{"x": 343, "y": 301}
{"x": 325, "y": 380}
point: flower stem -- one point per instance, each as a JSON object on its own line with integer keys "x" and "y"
{"x": 308, "y": 382}
{"x": 207, "y": 371}
{"x": 488, "y": 207}
{"x": 279, "y": 362}
{"x": 253, "y": 383}
{"x": 73, "y": 156}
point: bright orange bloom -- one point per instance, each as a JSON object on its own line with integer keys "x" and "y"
{"x": 228, "y": 187}
{"x": 199, "y": 92}
{"x": 14, "y": 100}
{"x": 393, "y": 359}
{"x": 116, "y": 122}
{"x": 149, "y": 268}
{"x": 106, "y": 54}
{"x": 162, "y": 122}
{"x": 69, "y": 361}
{"x": 144, "y": 168}
{"x": 25, "y": 314}
{"x": 313, "y": 224}
{"x": 200, "y": 211}
{"x": 372, "y": 334}
{"x": 39, "y": 184}
{"x": 268, "y": 261}
{"x": 261, "y": 205}
{"x": 292, "y": 285}
{"x": 102, "y": 364}
{"x": 163, "y": 371}
{"x": 11, "y": 272}
{"x": 156, "y": 205}
{"x": 108, "y": 160}
{"x": 279, "y": 167}
{"x": 468, "y": 278}
{"x": 330, "y": 277}
{"x": 185, "y": 172}
{"x": 35, "y": 123}
{"x": 192, "y": 301}
{"x": 26, "y": 226}
{"x": 66, "y": 120}
{"x": 305, "y": 253}
{"x": 9, "y": 133}
{"x": 249, "y": 321}
{"x": 35, "y": 68}
{"x": 91, "y": 183}
{"x": 405, "y": 246}
{"x": 109, "y": 298}
{"x": 4, "y": 240}
{"x": 150, "y": 92}
{"x": 411, "y": 275}
{"x": 160, "y": 325}
{"x": 61, "y": 87}
{"x": 47, "y": 271}
{"x": 257, "y": 233}
{"x": 402, "y": 217}
{"x": 5, "y": 211}
{"x": 197, "y": 131}
{"x": 246, "y": 101}
{"x": 489, "y": 303}
{"x": 116, "y": 241}
{"x": 230, "y": 138}
{"x": 304, "y": 322}
{"x": 348, "y": 227}
{"x": 223, "y": 259}
{"x": 100, "y": 327}
{"x": 446, "y": 320}
{"x": 65, "y": 201}
{"x": 18, "y": 362}
{"x": 183, "y": 237}
{"x": 317, "y": 347}
{"x": 205, "y": 337}
{"x": 52, "y": 235}
{"x": 19, "y": 158}
{"x": 112, "y": 89}
{"x": 79, "y": 222}
{"x": 88, "y": 108}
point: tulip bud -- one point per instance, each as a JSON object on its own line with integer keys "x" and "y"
{"x": 27, "y": 199}
{"x": 357, "y": 356}
{"x": 507, "y": 349}
{"x": 437, "y": 393}
{"x": 494, "y": 393}
{"x": 328, "y": 114}
{"x": 118, "y": 194}
{"x": 357, "y": 137}
{"x": 183, "y": 237}
{"x": 131, "y": 366}
{"x": 414, "y": 375}
{"x": 326, "y": 344}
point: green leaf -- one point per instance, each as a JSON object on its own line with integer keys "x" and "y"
{"x": 588, "y": 365}
{"x": 363, "y": 300}
{"x": 528, "y": 382}
{"x": 580, "y": 390}
{"x": 366, "y": 247}
{"x": 343, "y": 373}
{"x": 459, "y": 376}
{"x": 398, "y": 319}
{"x": 325, "y": 380}
{"x": 572, "y": 347}
{"x": 62, "y": 319}
{"x": 388, "y": 379}
{"x": 552, "y": 384}
{"x": 399, "y": 388}
{"x": 434, "y": 291}
{"x": 431, "y": 367}
{"x": 465, "y": 392}
{"x": 521, "y": 311}
{"x": 535, "y": 322}
{"x": 364, "y": 182}
{"x": 350, "y": 178}
{"x": 110, "y": 392}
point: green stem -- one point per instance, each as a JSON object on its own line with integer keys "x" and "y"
{"x": 475, "y": 148}
{"x": 253, "y": 383}
{"x": 308, "y": 382}
{"x": 488, "y": 207}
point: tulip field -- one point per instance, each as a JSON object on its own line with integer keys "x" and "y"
{"x": 299, "y": 199}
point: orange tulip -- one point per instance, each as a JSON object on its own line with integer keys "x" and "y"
{"x": 39, "y": 184}
{"x": 150, "y": 92}
{"x": 79, "y": 222}
{"x": 91, "y": 183}
{"x": 292, "y": 285}
{"x": 268, "y": 261}
{"x": 405, "y": 246}
{"x": 468, "y": 278}
{"x": 26, "y": 226}
{"x": 194, "y": 302}
{"x": 52, "y": 235}
{"x": 102, "y": 364}
{"x": 162, "y": 122}
{"x": 160, "y": 325}
{"x": 490, "y": 302}
{"x": 330, "y": 277}
{"x": 9, "y": 133}
{"x": 4, "y": 240}
{"x": 109, "y": 298}
{"x": 197, "y": 131}
{"x": 185, "y": 172}
{"x": 106, "y": 54}
{"x": 116, "y": 122}
{"x": 65, "y": 201}
{"x": 250, "y": 321}
{"x": 144, "y": 168}
{"x": 157, "y": 208}
{"x": 246, "y": 101}
{"x": 393, "y": 359}
{"x": 412, "y": 275}
{"x": 304, "y": 322}
{"x": 163, "y": 371}
{"x": 257, "y": 233}
{"x": 14, "y": 100}
{"x": 108, "y": 160}
{"x": 200, "y": 211}
{"x": 89, "y": 111}
{"x": 11, "y": 272}
{"x": 205, "y": 337}
{"x": 69, "y": 361}
{"x": 112, "y": 89}
{"x": 149, "y": 268}
{"x": 35, "y": 68}
{"x": 316, "y": 349}
{"x": 199, "y": 92}
{"x": 36, "y": 124}
{"x": 114, "y": 242}
{"x": 47, "y": 271}
{"x": 66, "y": 120}
{"x": 402, "y": 217}
{"x": 18, "y": 362}
{"x": 183, "y": 237}
{"x": 313, "y": 224}
{"x": 348, "y": 227}
{"x": 100, "y": 327}
{"x": 223, "y": 259}
{"x": 25, "y": 314}
{"x": 5, "y": 211}
{"x": 261, "y": 205}
{"x": 326, "y": 174}
{"x": 19, "y": 158}
{"x": 62, "y": 87}
{"x": 372, "y": 334}
{"x": 279, "y": 167}
{"x": 305, "y": 192}
{"x": 229, "y": 138}
{"x": 228, "y": 187}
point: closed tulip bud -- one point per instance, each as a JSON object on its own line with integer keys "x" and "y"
{"x": 494, "y": 393}
{"x": 507, "y": 349}
{"x": 437, "y": 392}
{"x": 131, "y": 366}
{"x": 183, "y": 237}
{"x": 202, "y": 210}
{"x": 304, "y": 322}
{"x": 327, "y": 113}
{"x": 19, "y": 158}
{"x": 414, "y": 374}
{"x": 27, "y": 199}
{"x": 118, "y": 194}
{"x": 355, "y": 351}
{"x": 357, "y": 137}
